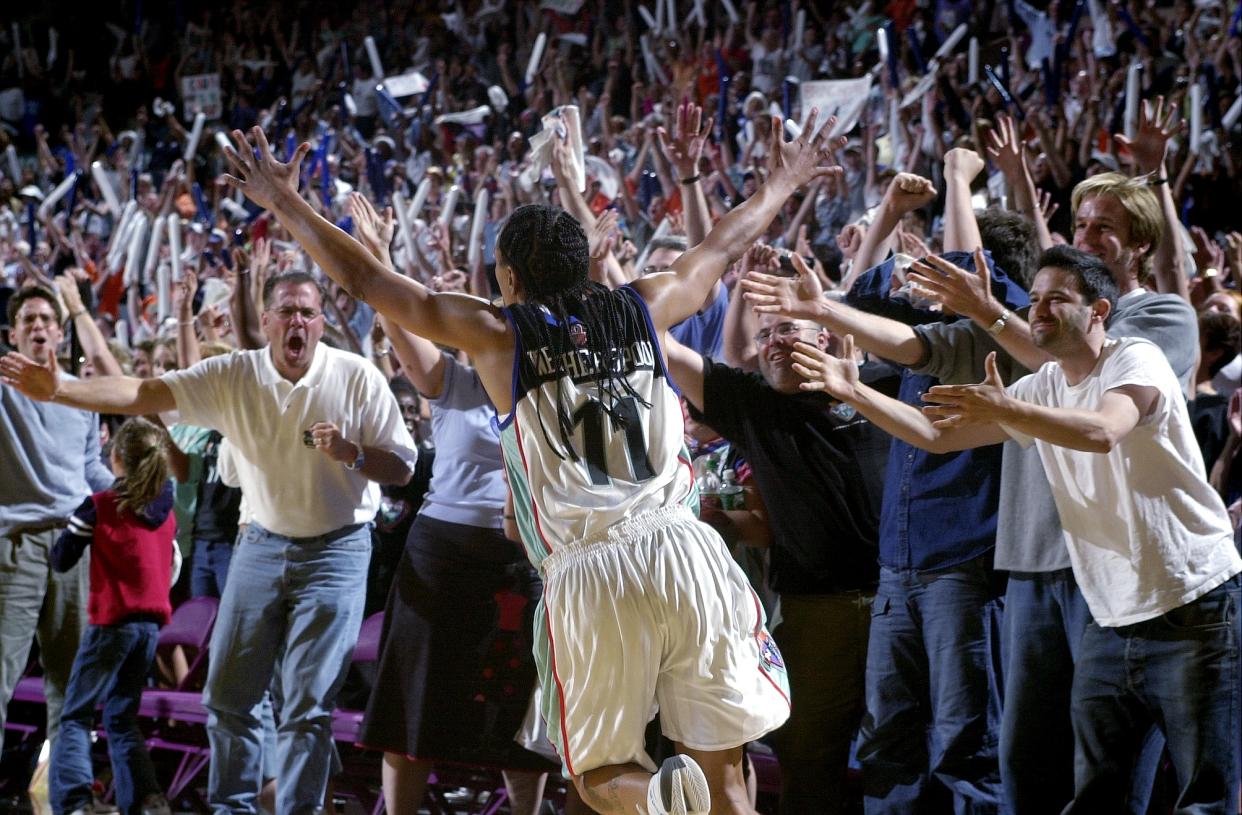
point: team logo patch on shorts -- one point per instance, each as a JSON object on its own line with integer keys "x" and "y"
{"x": 768, "y": 651}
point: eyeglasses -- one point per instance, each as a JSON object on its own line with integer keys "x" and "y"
{"x": 287, "y": 313}
{"x": 780, "y": 330}
{"x": 653, "y": 269}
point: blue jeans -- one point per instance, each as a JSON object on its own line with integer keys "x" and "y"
{"x": 1045, "y": 617}
{"x": 1179, "y": 670}
{"x": 111, "y": 667}
{"x": 291, "y": 611}
{"x": 209, "y": 567}
{"x": 933, "y": 708}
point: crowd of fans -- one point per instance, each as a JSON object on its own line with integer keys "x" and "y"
{"x": 646, "y": 122}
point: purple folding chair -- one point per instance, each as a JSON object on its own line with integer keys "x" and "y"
{"x": 190, "y": 628}
{"x": 356, "y": 777}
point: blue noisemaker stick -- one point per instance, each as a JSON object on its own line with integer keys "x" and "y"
{"x": 226, "y": 258}
{"x": 133, "y": 184}
{"x": 1004, "y": 92}
{"x": 346, "y": 225}
{"x": 1130, "y": 24}
{"x": 1004, "y": 65}
{"x": 30, "y": 227}
{"x": 913, "y": 39}
{"x": 375, "y": 174}
{"x": 392, "y": 109}
{"x": 345, "y": 60}
{"x": 1064, "y": 46}
{"x": 1050, "y": 90}
{"x": 892, "y": 55}
{"x": 1213, "y": 94}
{"x": 291, "y": 144}
{"x": 722, "y": 71}
{"x": 785, "y": 108}
{"x": 204, "y": 214}
{"x": 431, "y": 87}
{"x": 1235, "y": 25}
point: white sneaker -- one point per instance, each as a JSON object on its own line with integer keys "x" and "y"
{"x": 679, "y": 788}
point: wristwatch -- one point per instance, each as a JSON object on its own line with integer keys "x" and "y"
{"x": 359, "y": 460}
{"x": 1001, "y": 321}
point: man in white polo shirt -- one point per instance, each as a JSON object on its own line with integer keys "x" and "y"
{"x": 320, "y": 432}
{"x": 1149, "y": 539}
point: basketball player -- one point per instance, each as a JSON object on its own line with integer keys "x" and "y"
{"x": 643, "y": 605}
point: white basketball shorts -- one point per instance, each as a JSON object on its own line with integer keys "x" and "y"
{"x": 653, "y": 614}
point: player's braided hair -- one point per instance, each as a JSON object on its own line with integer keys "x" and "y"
{"x": 547, "y": 250}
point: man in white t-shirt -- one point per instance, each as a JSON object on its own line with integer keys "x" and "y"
{"x": 1149, "y": 539}
{"x": 319, "y": 431}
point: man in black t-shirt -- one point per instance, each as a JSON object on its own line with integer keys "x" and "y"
{"x": 215, "y": 525}
{"x": 819, "y": 468}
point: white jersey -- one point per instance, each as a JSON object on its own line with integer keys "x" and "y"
{"x": 615, "y": 466}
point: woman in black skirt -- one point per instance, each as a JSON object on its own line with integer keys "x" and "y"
{"x": 455, "y": 671}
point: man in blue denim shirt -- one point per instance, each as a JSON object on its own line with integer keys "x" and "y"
{"x": 936, "y": 617}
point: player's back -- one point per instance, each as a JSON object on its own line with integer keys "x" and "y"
{"x": 585, "y": 450}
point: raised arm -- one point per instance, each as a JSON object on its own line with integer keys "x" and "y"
{"x": 802, "y": 298}
{"x": 906, "y": 193}
{"x": 420, "y": 359}
{"x": 674, "y": 295}
{"x": 838, "y": 376}
{"x": 93, "y": 343}
{"x": 1151, "y": 142}
{"x": 188, "y": 351}
{"x": 690, "y": 135}
{"x": 466, "y": 322}
{"x": 961, "y": 231}
{"x": 1007, "y": 151}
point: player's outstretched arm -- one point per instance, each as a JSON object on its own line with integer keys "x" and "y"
{"x": 674, "y": 295}
{"x": 465, "y": 322}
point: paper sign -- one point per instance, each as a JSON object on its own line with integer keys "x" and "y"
{"x": 200, "y": 93}
{"x": 406, "y": 84}
{"x": 843, "y": 98}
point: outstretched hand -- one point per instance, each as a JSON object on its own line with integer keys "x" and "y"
{"x": 1007, "y": 150}
{"x": 257, "y": 173}
{"x": 800, "y": 298}
{"x": 29, "y": 377}
{"x": 374, "y": 231}
{"x": 1151, "y": 136}
{"x": 956, "y": 405}
{"x": 966, "y": 293}
{"x": 690, "y": 135}
{"x": 805, "y": 158}
{"x": 836, "y": 376}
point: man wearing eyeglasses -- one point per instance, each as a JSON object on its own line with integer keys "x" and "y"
{"x": 318, "y": 431}
{"x": 819, "y": 468}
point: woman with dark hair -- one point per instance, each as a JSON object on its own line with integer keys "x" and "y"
{"x": 455, "y": 672}
{"x": 642, "y": 603}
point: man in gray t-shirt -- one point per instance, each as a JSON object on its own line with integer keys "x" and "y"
{"x": 49, "y": 455}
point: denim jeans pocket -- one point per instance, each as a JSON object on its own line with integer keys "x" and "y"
{"x": 880, "y": 606}
{"x": 9, "y": 548}
{"x": 1218, "y": 609}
